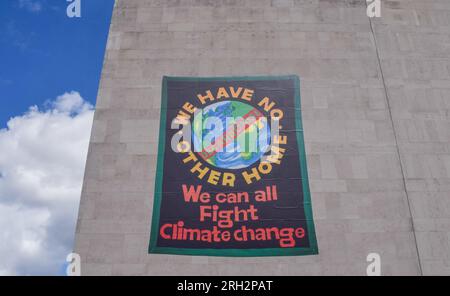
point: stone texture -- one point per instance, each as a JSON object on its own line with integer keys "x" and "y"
{"x": 412, "y": 42}
{"x": 375, "y": 106}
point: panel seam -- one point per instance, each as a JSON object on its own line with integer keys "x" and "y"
{"x": 396, "y": 143}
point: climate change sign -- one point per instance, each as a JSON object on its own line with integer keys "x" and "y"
{"x": 231, "y": 176}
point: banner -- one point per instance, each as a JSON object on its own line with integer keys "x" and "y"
{"x": 231, "y": 176}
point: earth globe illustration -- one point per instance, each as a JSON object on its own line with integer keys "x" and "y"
{"x": 240, "y": 151}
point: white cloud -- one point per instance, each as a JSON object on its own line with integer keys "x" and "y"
{"x": 30, "y": 5}
{"x": 42, "y": 159}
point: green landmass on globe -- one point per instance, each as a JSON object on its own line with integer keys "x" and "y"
{"x": 240, "y": 153}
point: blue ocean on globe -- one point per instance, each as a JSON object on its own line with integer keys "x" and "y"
{"x": 234, "y": 156}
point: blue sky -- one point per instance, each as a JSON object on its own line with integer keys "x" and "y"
{"x": 43, "y": 53}
{"x": 50, "y": 68}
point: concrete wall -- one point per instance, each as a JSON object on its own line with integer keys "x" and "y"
{"x": 376, "y": 114}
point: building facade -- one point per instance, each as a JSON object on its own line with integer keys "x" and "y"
{"x": 376, "y": 116}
